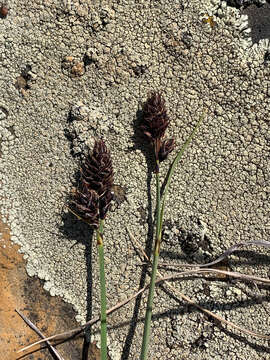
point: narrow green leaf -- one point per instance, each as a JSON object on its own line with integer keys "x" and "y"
{"x": 160, "y": 207}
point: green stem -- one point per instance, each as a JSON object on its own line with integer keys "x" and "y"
{"x": 103, "y": 317}
{"x": 160, "y": 207}
{"x": 148, "y": 315}
{"x": 157, "y": 204}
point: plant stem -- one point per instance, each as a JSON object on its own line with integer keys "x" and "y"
{"x": 103, "y": 316}
{"x": 160, "y": 213}
{"x": 148, "y": 315}
{"x": 157, "y": 205}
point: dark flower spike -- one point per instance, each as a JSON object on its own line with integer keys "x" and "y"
{"x": 166, "y": 148}
{"x": 91, "y": 203}
{"x": 155, "y": 118}
{"x": 97, "y": 170}
{"x": 97, "y": 175}
{"x": 85, "y": 205}
{"x": 154, "y": 124}
{"x": 105, "y": 203}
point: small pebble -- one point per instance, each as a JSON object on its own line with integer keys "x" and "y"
{"x": 3, "y": 11}
{"x": 78, "y": 69}
{"x": 21, "y": 83}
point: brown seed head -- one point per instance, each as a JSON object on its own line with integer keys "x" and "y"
{"x": 155, "y": 119}
{"x": 86, "y": 205}
{"x": 92, "y": 200}
{"x": 105, "y": 203}
{"x": 97, "y": 170}
{"x": 166, "y": 148}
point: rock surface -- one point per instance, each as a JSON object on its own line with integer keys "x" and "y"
{"x": 200, "y": 55}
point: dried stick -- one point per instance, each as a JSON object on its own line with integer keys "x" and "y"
{"x": 190, "y": 301}
{"x": 210, "y": 270}
{"x": 33, "y": 327}
{"x": 77, "y": 331}
{"x": 223, "y": 256}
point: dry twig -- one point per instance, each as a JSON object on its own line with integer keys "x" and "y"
{"x": 77, "y": 331}
{"x": 190, "y": 301}
{"x": 33, "y": 327}
{"x": 223, "y": 256}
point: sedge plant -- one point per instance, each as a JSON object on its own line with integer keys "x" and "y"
{"x": 90, "y": 203}
{"x": 154, "y": 124}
